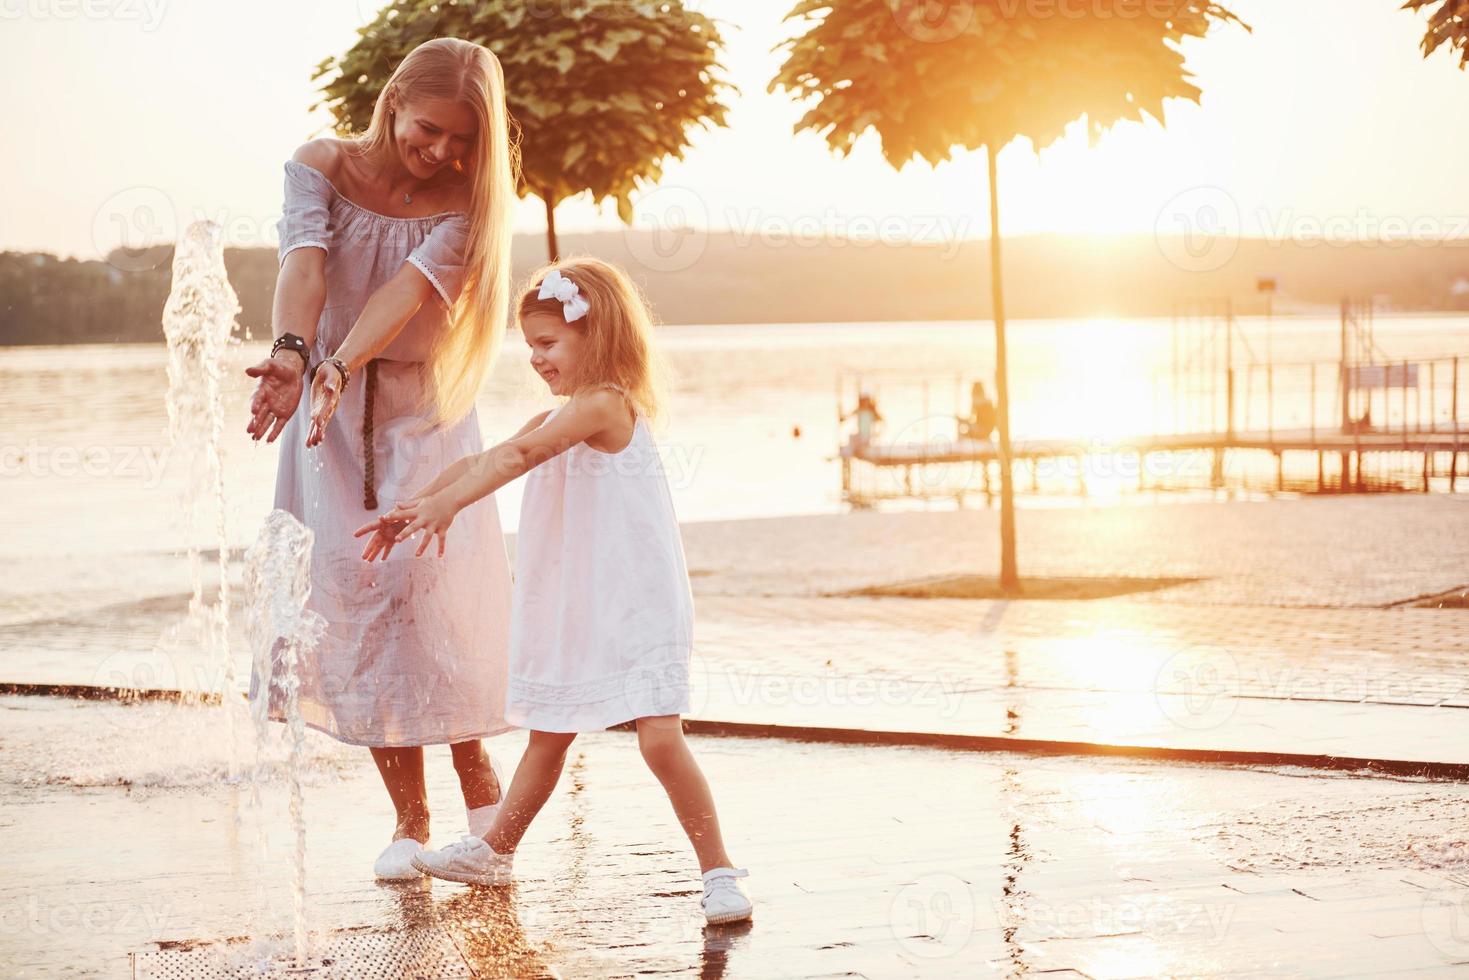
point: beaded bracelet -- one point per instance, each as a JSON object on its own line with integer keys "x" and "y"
{"x": 341, "y": 367}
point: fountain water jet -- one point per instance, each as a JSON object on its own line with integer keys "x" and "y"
{"x": 197, "y": 321}
{"x": 283, "y": 632}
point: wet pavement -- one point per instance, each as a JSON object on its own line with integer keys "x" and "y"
{"x": 1292, "y": 641}
{"x": 1303, "y": 684}
{"x": 865, "y": 861}
{"x": 1353, "y": 683}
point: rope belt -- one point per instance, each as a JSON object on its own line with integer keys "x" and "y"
{"x": 369, "y": 462}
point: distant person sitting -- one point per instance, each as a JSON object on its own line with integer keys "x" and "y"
{"x": 982, "y": 415}
{"x": 1363, "y": 424}
{"x": 867, "y": 419}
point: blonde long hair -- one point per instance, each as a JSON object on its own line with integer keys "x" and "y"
{"x": 452, "y": 69}
{"x": 618, "y": 332}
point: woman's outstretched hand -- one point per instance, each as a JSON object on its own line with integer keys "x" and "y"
{"x": 384, "y": 533}
{"x": 275, "y": 398}
{"x": 326, "y": 394}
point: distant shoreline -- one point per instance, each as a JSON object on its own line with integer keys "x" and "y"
{"x": 1012, "y": 323}
{"x": 724, "y": 278}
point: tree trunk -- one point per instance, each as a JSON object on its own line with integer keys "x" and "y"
{"x": 551, "y": 248}
{"x": 1009, "y": 575}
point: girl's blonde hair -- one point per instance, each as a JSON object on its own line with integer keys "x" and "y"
{"x": 618, "y": 329}
{"x": 451, "y": 69}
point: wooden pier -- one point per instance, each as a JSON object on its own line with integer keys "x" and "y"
{"x": 1439, "y": 451}
{"x": 1367, "y": 421}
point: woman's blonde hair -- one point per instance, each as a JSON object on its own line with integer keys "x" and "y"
{"x": 618, "y": 330}
{"x": 451, "y": 69}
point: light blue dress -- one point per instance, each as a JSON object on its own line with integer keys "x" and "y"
{"x": 415, "y": 649}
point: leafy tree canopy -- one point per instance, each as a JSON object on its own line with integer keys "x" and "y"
{"x": 1448, "y": 23}
{"x": 932, "y": 76}
{"x": 604, "y": 91}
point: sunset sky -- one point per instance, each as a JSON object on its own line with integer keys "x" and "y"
{"x": 1327, "y": 113}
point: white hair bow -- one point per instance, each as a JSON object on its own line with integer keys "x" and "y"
{"x": 556, "y": 286}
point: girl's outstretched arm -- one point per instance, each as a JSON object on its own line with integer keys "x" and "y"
{"x": 584, "y": 417}
{"x": 459, "y": 467}
{"x": 384, "y": 530}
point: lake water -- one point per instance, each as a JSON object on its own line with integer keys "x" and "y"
{"x": 85, "y": 468}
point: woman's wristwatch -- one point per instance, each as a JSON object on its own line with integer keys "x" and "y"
{"x": 290, "y": 341}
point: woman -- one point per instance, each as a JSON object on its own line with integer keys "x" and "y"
{"x": 392, "y": 295}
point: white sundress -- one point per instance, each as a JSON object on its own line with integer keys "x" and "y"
{"x": 601, "y": 626}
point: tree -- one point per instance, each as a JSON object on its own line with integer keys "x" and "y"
{"x": 603, "y": 91}
{"x": 1449, "y": 24}
{"x": 930, "y": 78}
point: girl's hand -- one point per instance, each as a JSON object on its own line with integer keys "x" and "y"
{"x": 432, "y": 515}
{"x": 384, "y": 533}
{"x": 276, "y": 396}
{"x": 326, "y": 394}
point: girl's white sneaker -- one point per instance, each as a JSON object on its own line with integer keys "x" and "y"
{"x": 482, "y": 818}
{"x": 724, "y": 900}
{"x": 469, "y": 860}
{"x": 395, "y": 863}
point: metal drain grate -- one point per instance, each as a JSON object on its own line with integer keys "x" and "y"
{"x": 419, "y": 954}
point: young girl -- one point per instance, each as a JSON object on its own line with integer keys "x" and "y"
{"x": 602, "y": 615}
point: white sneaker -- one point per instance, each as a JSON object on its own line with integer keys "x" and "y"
{"x": 469, "y": 860}
{"x": 482, "y": 818}
{"x": 395, "y": 863}
{"x": 724, "y": 900}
